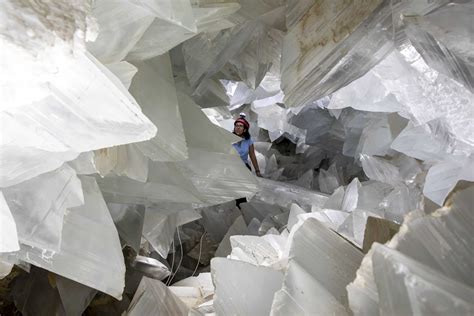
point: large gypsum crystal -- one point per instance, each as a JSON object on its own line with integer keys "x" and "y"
{"x": 153, "y": 87}
{"x": 284, "y": 194}
{"x": 69, "y": 91}
{"x": 420, "y": 288}
{"x": 438, "y": 243}
{"x": 352, "y": 32}
{"x": 40, "y": 204}
{"x": 309, "y": 287}
{"x": 441, "y": 37}
{"x": 154, "y": 298}
{"x": 81, "y": 257}
{"x": 232, "y": 52}
{"x": 8, "y": 232}
{"x": 334, "y": 43}
{"x": 164, "y": 34}
{"x": 243, "y": 288}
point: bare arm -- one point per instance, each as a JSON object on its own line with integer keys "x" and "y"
{"x": 253, "y": 158}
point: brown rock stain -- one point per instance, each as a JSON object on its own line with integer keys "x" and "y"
{"x": 343, "y": 25}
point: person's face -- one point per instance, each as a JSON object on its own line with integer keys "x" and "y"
{"x": 239, "y": 129}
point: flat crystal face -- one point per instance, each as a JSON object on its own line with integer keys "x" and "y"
{"x": 122, "y": 190}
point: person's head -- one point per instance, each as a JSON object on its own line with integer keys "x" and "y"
{"x": 241, "y": 127}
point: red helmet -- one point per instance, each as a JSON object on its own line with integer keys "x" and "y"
{"x": 243, "y": 121}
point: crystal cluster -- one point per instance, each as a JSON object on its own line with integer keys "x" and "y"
{"x": 121, "y": 192}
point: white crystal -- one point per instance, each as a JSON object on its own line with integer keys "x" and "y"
{"x": 407, "y": 287}
{"x": 124, "y": 71}
{"x": 194, "y": 291}
{"x": 8, "y": 232}
{"x": 261, "y": 251}
{"x": 39, "y": 205}
{"x": 81, "y": 257}
{"x": 309, "y": 287}
{"x": 153, "y": 88}
{"x": 312, "y": 66}
{"x": 121, "y": 25}
{"x": 443, "y": 176}
{"x": 351, "y": 196}
{"x": 160, "y": 225}
{"x": 284, "y": 194}
{"x": 439, "y": 241}
{"x": 154, "y": 298}
{"x": 242, "y": 288}
{"x": 238, "y": 227}
{"x": 129, "y": 222}
{"x": 184, "y": 22}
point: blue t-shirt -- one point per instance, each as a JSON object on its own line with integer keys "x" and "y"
{"x": 242, "y": 148}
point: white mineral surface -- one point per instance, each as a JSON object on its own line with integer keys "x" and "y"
{"x": 121, "y": 192}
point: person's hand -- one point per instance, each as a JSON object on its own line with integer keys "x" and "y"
{"x": 258, "y": 173}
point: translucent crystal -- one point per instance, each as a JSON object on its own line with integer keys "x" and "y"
{"x": 335, "y": 200}
{"x": 261, "y": 251}
{"x": 295, "y": 211}
{"x": 273, "y": 118}
{"x": 161, "y": 222}
{"x": 432, "y": 141}
{"x": 284, "y": 194}
{"x": 417, "y": 287}
{"x": 329, "y": 180}
{"x": 125, "y": 190}
{"x": 443, "y": 176}
{"x": 376, "y": 137}
{"x": 217, "y": 219}
{"x": 308, "y": 287}
{"x": 129, "y": 222}
{"x": 75, "y": 297}
{"x": 315, "y": 66}
{"x": 196, "y": 125}
{"x": 441, "y": 37}
{"x": 438, "y": 242}
{"x": 121, "y": 25}
{"x": 406, "y": 286}
{"x": 126, "y": 160}
{"x": 39, "y": 205}
{"x": 353, "y": 227}
{"x": 207, "y": 53}
{"x": 84, "y": 163}
{"x": 153, "y": 88}
{"x": 331, "y": 218}
{"x": 124, "y": 71}
{"x": 5, "y": 269}
{"x": 194, "y": 291}
{"x": 257, "y": 286}
{"x": 427, "y": 95}
{"x": 294, "y": 298}
{"x": 34, "y": 291}
{"x": 117, "y": 121}
{"x": 151, "y": 267}
{"x": 81, "y": 257}
{"x": 380, "y": 170}
{"x": 154, "y": 298}
{"x": 260, "y": 54}
{"x": 21, "y": 164}
{"x": 351, "y": 196}
{"x": 174, "y": 23}
{"x": 365, "y": 94}
{"x": 238, "y": 227}
{"x": 295, "y": 10}
{"x": 8, "y": 232}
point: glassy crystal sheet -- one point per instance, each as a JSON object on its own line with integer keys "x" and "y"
{"x": 81, "y": 257}
{"x": 242, "y": 288}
